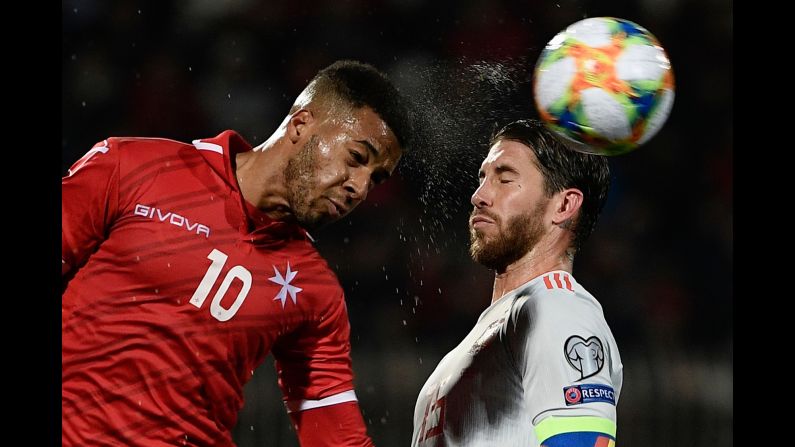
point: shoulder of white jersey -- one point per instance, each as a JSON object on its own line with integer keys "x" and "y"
{"x": 554, "y": 293}
{"x": 560, "y": 288}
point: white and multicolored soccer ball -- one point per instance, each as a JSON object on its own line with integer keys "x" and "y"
{"x": 605, "y": 84}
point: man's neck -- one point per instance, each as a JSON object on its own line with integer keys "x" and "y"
{"x": 540, "y": 259}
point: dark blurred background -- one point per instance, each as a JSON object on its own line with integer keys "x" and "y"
{"x": 660, "y": 260}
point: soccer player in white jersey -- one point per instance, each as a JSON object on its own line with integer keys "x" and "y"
{"x": 540, "y": 367}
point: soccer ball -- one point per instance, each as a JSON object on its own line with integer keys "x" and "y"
{"x": 604, "y": 84}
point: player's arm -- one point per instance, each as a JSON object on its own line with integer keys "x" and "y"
{"x": 316, "y": 379}
{"x": 334, "y": 424}
{"x": 572, "y": 400}
{"x": 89, "y": 201}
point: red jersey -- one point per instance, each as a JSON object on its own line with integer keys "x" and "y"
{"x": 181, "y": 289}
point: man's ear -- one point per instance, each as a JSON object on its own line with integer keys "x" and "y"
{"x": 567, "y": 203}
{"x": 298, "y": 124}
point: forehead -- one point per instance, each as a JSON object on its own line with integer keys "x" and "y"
{"x": 368, "y": 124}
{"x": 509, "y": 153}
{"x": 363, "y": 124}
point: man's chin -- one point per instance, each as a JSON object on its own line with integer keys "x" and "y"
{"x": 480, "y": 237}
{"x": 310, "y": 222}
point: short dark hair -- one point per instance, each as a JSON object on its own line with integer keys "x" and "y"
{"x": 564, "y": 168}
{"x": 359, "y": 84}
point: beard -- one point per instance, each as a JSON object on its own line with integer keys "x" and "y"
{"x": 513, "y": 240}
{"x": 301, "y": 178}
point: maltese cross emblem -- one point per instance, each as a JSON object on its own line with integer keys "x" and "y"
{"x": 284, "y": 281}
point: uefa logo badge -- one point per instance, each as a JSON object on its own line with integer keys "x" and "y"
{"x": 572, "y": 395}
{"x": 589, "y": 392}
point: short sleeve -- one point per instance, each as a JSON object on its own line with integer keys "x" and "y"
{"x": 568, "y": 363}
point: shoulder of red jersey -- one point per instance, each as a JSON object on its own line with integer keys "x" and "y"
{"x": 142, "y": 152}
{"x": 143, "y": 147}
{"x": 153, "y": 147}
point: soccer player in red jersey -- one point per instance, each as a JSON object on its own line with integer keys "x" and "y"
{"x": 185, "y": 264}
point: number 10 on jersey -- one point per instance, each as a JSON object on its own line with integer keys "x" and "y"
{"x": 239, "y": 272}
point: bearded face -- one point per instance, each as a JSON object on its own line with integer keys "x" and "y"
{"x": 340, "y": 162}
{"x": 505, "y": 241}
{"x": 300, "y": 177}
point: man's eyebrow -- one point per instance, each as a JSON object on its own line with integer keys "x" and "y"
{"x": 505, "y": 168}
{"x": 499, "y": 169}
{"x": 369, "y": 147}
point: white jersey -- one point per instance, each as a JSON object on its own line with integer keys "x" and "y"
{"x": 537, "y": 355}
